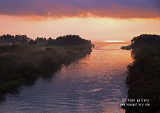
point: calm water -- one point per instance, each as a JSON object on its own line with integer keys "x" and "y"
{"x": 94, "y": 84}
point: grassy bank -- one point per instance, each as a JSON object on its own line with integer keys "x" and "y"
{"x": 143, "y": 81}
{"x": 4, "y": 87}
{"x": 24, "y": 62}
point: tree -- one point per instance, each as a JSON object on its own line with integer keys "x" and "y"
{"x": 147, "y": 39}
{"x": 11, "y": 39}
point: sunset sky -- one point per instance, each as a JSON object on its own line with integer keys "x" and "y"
{"x": 91, "y": 19}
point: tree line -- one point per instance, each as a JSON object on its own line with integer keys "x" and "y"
{"x": 11, "y": 39}
{"x": 59, "y": 41}
{"x": 145, "y": 39}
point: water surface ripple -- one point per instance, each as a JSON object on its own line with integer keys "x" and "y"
{"x": 94, "y": 84}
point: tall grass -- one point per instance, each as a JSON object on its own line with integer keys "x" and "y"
{"x": 28, "y": 62}
{"x": 143, "y": 79}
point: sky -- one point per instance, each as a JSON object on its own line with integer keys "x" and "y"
{"x": 96, "y": 20}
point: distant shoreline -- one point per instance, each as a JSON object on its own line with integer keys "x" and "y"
{"x": 103, "y": 42}
{"x": 25, "y": 61}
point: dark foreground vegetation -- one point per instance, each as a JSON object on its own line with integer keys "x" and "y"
{"x": 143, "y": 76}
{"x": 22, "y": 58}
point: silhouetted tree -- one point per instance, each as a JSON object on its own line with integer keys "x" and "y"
{"x": 51, "y": 42}
{"x": 147, "y": 39}
{"x": 71, "y": 40}
{"x": 41, "y": 40}
{"x": 11, "y": 39}
{"x": 32, "y": 42}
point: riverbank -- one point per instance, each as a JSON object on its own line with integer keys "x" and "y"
{"x": 19, "y": 63}
{"x": 143, "y": 75}
{"x": 28, "y": 62}
{"x": 143, "y": 81}
{"x": 94, "y": 83}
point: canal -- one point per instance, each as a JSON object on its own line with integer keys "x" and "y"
{"x": 93, "y": 84}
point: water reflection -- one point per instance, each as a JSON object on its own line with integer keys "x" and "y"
{"x": 94, "y": 84}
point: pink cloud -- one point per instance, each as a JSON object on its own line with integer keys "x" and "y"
{"x": 82, "y": 8}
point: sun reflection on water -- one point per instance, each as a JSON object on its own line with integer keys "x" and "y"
{"x": 94, "y": 84}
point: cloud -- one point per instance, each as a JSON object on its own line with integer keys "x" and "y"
{"x": 82, "y": 8}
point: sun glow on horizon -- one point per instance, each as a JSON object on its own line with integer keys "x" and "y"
{"x": 114, "y": 41}
{"x": 96, "y": 29}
